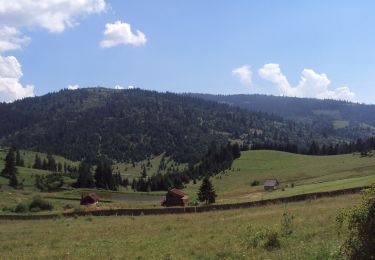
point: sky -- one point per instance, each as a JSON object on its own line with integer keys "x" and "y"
{"x": 320, "y": 49}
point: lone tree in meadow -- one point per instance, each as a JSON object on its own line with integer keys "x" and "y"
{"x": 206, "y": 191}
{"x": 10, "y": 170}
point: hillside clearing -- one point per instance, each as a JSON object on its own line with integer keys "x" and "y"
{"x": 307, "y": 173}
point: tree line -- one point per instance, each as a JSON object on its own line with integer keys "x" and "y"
{"x": 216, "y": 160}
{"x": 364, "y": 146}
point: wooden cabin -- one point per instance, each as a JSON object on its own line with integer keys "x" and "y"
{"x": 90, "y": 199}
{"x": 270, "y": 184}
{"x": 175, "y": 197}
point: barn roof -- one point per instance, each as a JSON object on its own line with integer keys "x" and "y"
{"x": 177, "y": 192}
{"x": 270, "y": 182}
{"x": 93, "y": 196}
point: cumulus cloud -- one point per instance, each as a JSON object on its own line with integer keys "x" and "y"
{"x": 10, "y": 87}
{"x": 11, "y": 39}
{"x": 53, "y": 15}
{"x": 244, "y": 74}
{"x": 131, "y": 87}
{"x": 73, "y": 87}
{"x": 121, "y": 33}
{"x": 118, "y": 87}
{"x": 311, "y": 84}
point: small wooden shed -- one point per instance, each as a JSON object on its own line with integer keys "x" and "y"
{"x": 270, "y": 184}
{"x": 175, "y": 197}
{"x": 90, "y": 199}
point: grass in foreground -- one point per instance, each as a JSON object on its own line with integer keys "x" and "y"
{"x": 213, "y": 235}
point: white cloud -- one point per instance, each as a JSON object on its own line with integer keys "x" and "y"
{"x": 131, "y": 87}
{"x": 73, "y": 87}
{"x": 118, "y": 87}
{"x": 121, "y": 33}
{"x": 244, "y": 74}
{"x": 311, "y": 84}
{"x": 11, "y": 39}
{"x": 10, "y": 87}
{"x": 53, "y": 15}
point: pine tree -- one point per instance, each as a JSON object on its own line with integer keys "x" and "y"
{"x": 236, "y": 151}
{"x": 13, "y": 181}
{"x": 18, "y": 158}
{"x": 144, "y": 173}
{"x": 85, "y": 178}
{"x": 37, "y": 162}
{"x": 206, "y": 191}
{"x": 10, "y": 170}
{"x": 103, "y": 175}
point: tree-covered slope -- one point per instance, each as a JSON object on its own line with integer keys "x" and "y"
{"x": 133, "y": 124}
{"x": 340, "y": 118}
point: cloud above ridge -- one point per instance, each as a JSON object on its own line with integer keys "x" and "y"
{"x": 10, "y": 87}
{"x": 244, "y": 74}
{"x": 311, "y": 84}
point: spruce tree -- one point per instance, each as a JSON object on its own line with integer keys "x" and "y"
{"x": 18, "y": 158}
{"x": 103, "y": 175}
{"x": 10, "y": 170}
{"x": 85, "y": 178}
{"x": 37, "y": 162}
{"x": 13, "y": 181}
{"x": 206, "y": 191}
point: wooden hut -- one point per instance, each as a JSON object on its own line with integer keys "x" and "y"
{"x": 90, "y": 199}
{"x": 175, "y": 197}
{"x": 270, "y": 184}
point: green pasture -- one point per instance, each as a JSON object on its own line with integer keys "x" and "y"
{"x": 288, "y": 168}
{"x": 211, "y": 235}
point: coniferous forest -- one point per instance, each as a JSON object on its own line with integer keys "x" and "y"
{"x": 130, "y": 125}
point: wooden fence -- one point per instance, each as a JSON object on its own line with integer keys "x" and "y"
{"x": 190, "y": 209}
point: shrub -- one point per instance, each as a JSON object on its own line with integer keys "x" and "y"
{"x": 40, "y": 203}
{"x": 287, "y": 224}
{"x": 68, "y": 206}
{"x": 49, "y": 182}
{"x": 359, "y": 225}
{"x": 255, "y": 183}
{"x": 21, "y": 208}
{"x": 35, "y": 209}
{"x": 266, "y": 238}
{"x": 7, "y": 209}
{"x": 193, "y": 203}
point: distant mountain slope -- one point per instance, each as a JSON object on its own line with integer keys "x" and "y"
{"x": 133, "y": 124}
{"x": 340, "y": 118}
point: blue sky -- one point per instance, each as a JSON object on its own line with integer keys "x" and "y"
{"x": 322, "y": 49}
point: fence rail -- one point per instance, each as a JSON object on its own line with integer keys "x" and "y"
{"x": 190, "y": 209}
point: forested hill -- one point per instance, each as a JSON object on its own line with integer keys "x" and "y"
{"x": 340, "y": 118}
{"x": 129, "y": 125}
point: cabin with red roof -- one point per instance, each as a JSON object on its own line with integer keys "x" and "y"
{"x": 89, "y": 199}
{"x": 175, "y": 197}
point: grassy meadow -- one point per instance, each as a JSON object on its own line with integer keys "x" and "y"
{"x": 211, "y": 235}
{"x": 131, "y": 171}
{"x": 307, "y": 173}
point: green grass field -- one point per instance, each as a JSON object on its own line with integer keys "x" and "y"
{"x": 308, "y": 173}
{"x": 130, "y": 171}
{"x": 338, "y": 124}
{"x": 212, "y": 235}
{"x": 29, "y": 158}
